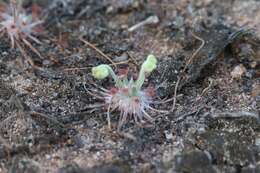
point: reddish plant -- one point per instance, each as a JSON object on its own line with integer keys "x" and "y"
{"x": 20, "y": 27}
{"x": 127, "y": 95}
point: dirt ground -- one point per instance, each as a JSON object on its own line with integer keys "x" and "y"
{"x": 209, "y": 60}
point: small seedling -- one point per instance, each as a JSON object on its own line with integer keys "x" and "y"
{"x": 19, "y": 27}
{"x": 127, "y": 96}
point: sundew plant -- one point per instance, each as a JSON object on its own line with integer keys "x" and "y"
{"x": 19, "y": 26}
{"x": 127, "y": 95}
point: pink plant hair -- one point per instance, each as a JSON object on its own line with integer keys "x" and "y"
{"x": 20, "y": 27}
{"x": 127, "y": 96}
{"x": 129, "y": 106}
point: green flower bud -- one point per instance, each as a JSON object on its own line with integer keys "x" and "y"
{"x": 150, "y": 64}
{"x": 100, "y": 72}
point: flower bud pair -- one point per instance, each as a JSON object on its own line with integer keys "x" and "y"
{"x": 102, "y": 71}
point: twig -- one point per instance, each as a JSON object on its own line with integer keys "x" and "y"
{"x": 239, "y": 114}
{"x": 96, "y": 49}
{"x": 32, "y": 48}
{"x": 26, "y": 56}
{"x": 205, "y": 90}
{"x": 149, "y": 20}
{"x": 175, "y": 94}
{"x": 196, "y": 52}
{"x": 50, "y": 119}
{"x": 183, "y": 117}
{"x": 186, "y": 66}
{"x": 108, "y": 117}
{"x": 127, "y": 135}
{"x": 134, "y": 60}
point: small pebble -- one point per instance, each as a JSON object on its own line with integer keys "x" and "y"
{"x": 238, "y": 71}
